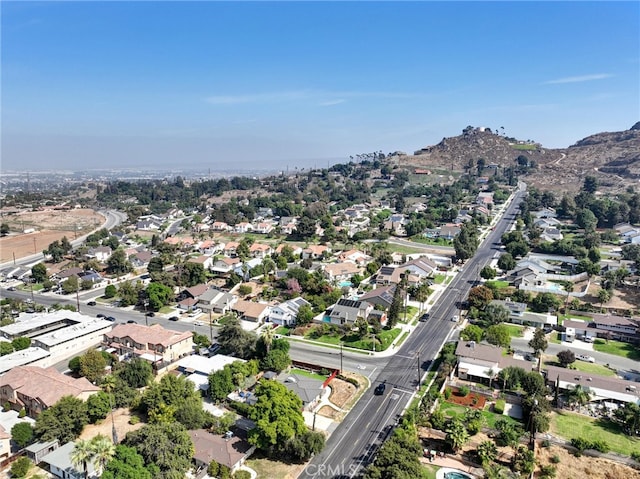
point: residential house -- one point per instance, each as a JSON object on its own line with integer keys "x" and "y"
{"x": 485, "y": 198}
{"x": 577, "y": 329}
{"x": 449, "y": 231}
{"x": 297, "y": 250}
{"x": 221, "y": 226}
{"x": 259, "y": 250}
{"x": 315, "y": 251}
{"x": 481, "y": 363}
{"x": 36, "y": 389}
{"x": 518, "y": 314}
{"x": 149, "y": 224}
{"x": 382, "y": 296}
{"x": 188, "y": 304}
{"x": 609, "y": 391}
{"x": 288, "y": 224}
{"x": 551, "y": 234}
{"x": 140, "y": 259}
{"x": 38, "y": 450}
{"x": 61, "y": 466}
{"x": 263, "y": 227}
{"x": 204, "y": 260}
{"x": 544, "y": 213}
{"x": 210, "y": 247}
{"x": 216, "y": 301}
{"x": 229, "y": 450}
{"x": 347, "y": 311}
{"x": 225, "y": 265}
{"x": 250, "y": 311}
{"x": 616, "y": 327}
{"x": 354, "y": 256}
{"x": 243, "y": 227}
{"x": 154, "y": 344}
{"x": 340, "y": 271}
{"x": 99, "y": 253}
{"x": 244, "y": 269}
{"x": 92, "y": 276}
{"x": 285, "y": 313}
{"x": 67, "y": 273}
{"x": 309, "y": 390}
{"x": 547, "y": 223}
{"x": 264, "y": 212}
{"x": 193, "y": 292}
{"x": 230, "y": 249}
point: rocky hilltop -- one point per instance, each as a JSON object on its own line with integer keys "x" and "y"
{"x": 613, "y": 157}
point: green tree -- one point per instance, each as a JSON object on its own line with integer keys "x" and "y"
{"x": 234, "y": 339}
{"x": 20, "y": 468}
{"x": 103, "y": 451}
{"x": 22, "y": 434}
{"x": 118, "y": 263}
{"x": 92, "y": 365}
{"x": 509, "y": 434}
{"x": 159, "y": 295}
{"x": 74, "y": 364}
{"x": 488, "y": 272}
{"x": 5, "y": 348}
{"x": 487, "y": 452}
{"x": 305, "y": 315}
{"x": 4, "y": 229}
{"x": 39, "y": 272}
{"x": 523, "y": 461}
{"x": 566, "y": 357}
{"x": 628, "y": 416}
{"x": 495, "y": 314}
{"x": 498, "y": 335}
{"x": 398, "y": 458}
{"x": 98, "y": 406}
{"x": 168, "y": 446}
{"x": 472, "y": 333}
{"x": 220, "y": 384}
{"x": 110, "y": 291}
{"x": 63, "y": 421}
{"x": 539, "y": 343}
{"x": 545, "y": 302}
{"x": 480, "y": 297}
{"x": 277, "y": 414}
{"x": 506, "y": 262}
{"x": 457, "y": 434}
{"x": 126, "y": 464}
{"x": 21, "y": 343}
{"x": 70, "y": 285}
{"x": 82, "y": 455}
{"x": 276, "y": 360}
{"x": 136, "y": 373}
{"x": 579, "y": 395}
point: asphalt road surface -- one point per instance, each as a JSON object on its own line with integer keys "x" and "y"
{"x": 356, "y": 440}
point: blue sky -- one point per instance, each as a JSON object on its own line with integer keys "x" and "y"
{"x": 239, "y": 84}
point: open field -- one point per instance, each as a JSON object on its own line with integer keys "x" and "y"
{"x": 49, "y": 225}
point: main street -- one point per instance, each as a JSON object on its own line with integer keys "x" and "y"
{"x": 356, "y": 440}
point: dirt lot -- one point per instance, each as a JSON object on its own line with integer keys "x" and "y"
{"x": 50, "y": 225}
{"x": 569, "y": 467}
{"x": 121, "y": 418}
{"x": 341, "y": 392}
{"x": 623, "y": 298}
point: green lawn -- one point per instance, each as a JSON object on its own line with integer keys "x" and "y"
{"x": 432, "y": 241}
{"x": 515, "y": 331}
{"x": 555, "y": 338}
{"x": 498, "y": 284}
{"x": 283, "y": 330}
{"x": 584, "y": 367}
{"x": 396, "y": 248}
{"x": 439, "y": 278}
{"x": 385, "y": 338}
{"x": 490, "y": 418}
{"x": 308, "y": 374}
{"x": 617, "y": 348}
{"x": 569, "y": 425}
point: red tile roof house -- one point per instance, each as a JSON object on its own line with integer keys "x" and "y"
{"x": 154, "y": 343}
{"x": 230, "y": 451}
{"x": 37, "y": 389}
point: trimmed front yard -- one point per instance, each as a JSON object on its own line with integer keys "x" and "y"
{"x": 568, "y": 425}
{"x": 490, "y": 418}
{"x": 618, "y": 348}
{"x": 515, "y": 331}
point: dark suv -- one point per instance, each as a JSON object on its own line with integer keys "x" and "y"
{"x": 424, "y": 318}
{"x": 379, "y": 390}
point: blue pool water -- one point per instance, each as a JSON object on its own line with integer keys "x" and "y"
{"x": 456, "y": 475}
{"x": 344, "y": 284}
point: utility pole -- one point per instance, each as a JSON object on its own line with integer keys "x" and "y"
{"x": 78, "y": 296}
{"x": 418, "y": 386}
{"x": 210, "y": 327}
{"x": 340, "y": 357}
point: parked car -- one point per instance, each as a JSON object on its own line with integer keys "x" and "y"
{"x": 91, "y": 303}
{"x": 424, "y": 318}
{"x": 455, "y": 319}
{"x": 100, "y": 315}
{"x": 584, "y": 357}
{"x": 11, "y": 288}
{"x": 131, "y": 321}
{"x": 151, "y": 314}
{"x": 173, "y": 318}
{"x": 198, "y": 323}
{"x": 587, "y": 339}
{"x": 110, "y": 318}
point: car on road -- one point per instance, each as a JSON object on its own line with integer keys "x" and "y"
{"x": 174, "y": 318}
{"x": 379, "y": 390}
{"x": 91, "y": 303}
{"x": 100, "y": 315}
{"x": 110, "y": 318}
{"x": 584, "y": 357}
{"x": 198, "y": 323}
{"x": 455, "y": 318}
{"x": 131, "y": 321}
{"x": 11, "y": 288}
{"x": 424, "y": 318}
{"x": 151, "y": 314}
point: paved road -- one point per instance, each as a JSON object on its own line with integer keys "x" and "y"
{"x": 356, "y": 440}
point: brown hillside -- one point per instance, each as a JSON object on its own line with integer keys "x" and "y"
{"x": 613, "y": 157}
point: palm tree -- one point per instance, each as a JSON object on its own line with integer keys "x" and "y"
{"x": 457, "y": 435}
{"x": 487, "y": 451}
{"x": 82, "y": 454}
{"x": 108, "y": 385}
{"x": 267, "y": 337}
{"x": 103, "y": 451}
{"x": 579, "y": 395}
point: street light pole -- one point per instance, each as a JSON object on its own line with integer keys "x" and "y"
{"x": 340, "y": 357}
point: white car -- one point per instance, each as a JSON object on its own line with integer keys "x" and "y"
{"x": 455, "y": 319}
{"x": 198, "y": 323}
{"x": 584, "y": 357}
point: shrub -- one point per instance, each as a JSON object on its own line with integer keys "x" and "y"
{"x": 547, "y": 472}
{"x": 6, "y": 406}
{"x": 134, "y": 420}
{"x": 546, "y": 443}
{"x": 464, "y": 391}
{"x": 21, "y": 467}
{"x": 580, "y": 443}
{"x": 447, "y": 393}
{"x": 636, "y": 455}
{"x": 22, "y": 413}
{"x": 498, "y": 407}
{"x": 353, "y": 381}
{"x": 242, "y": 475}
{"x": 555, "y": 459}
{"x": 600, "y": 446}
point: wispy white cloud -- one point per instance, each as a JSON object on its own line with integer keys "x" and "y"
{"x": 318, "y": 97}
{"x": 332, "y": 102}
{"x": 579, "y": 79}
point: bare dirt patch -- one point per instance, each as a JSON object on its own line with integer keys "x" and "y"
{"x": 341, "y": 392}
{"x": 472, "y": 400}
{"x": 49, "y": 225}
{"x": 571, "y": 467}
{"x": 331, "y": 413}
{"x": 121, "y": 418}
